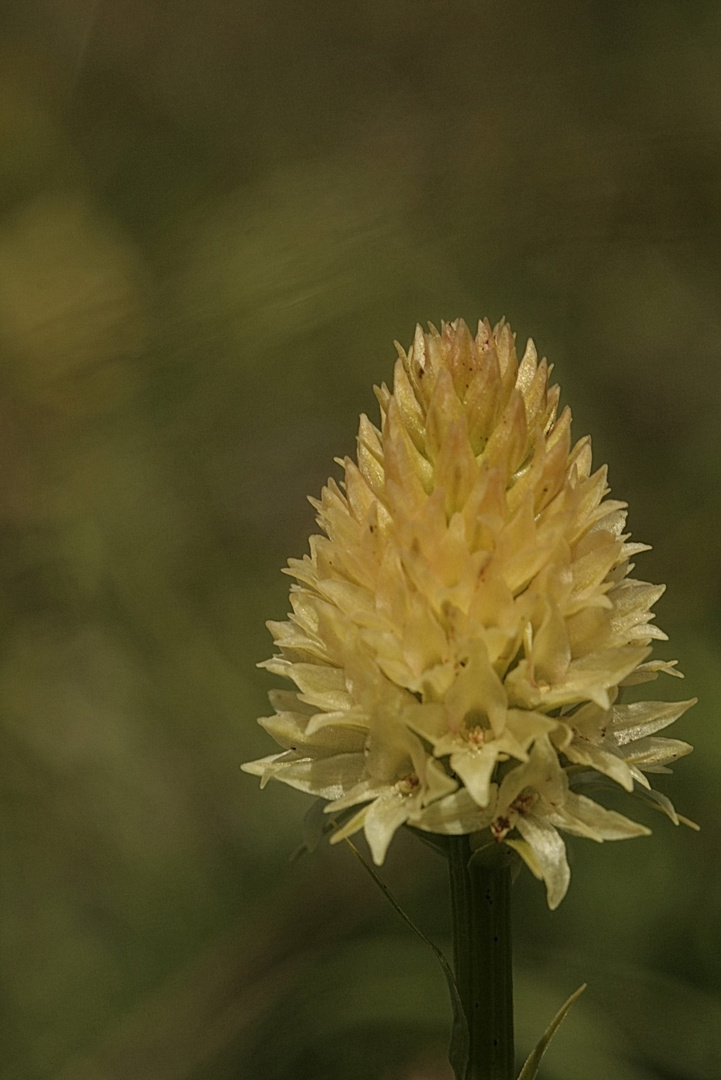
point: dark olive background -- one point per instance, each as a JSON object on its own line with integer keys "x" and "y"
{"x": 215, "y": 217}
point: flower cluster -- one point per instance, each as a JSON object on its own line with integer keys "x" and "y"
{"x": 460, "y": 634}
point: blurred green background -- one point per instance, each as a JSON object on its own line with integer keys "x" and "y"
{"x": 214, "y": 218}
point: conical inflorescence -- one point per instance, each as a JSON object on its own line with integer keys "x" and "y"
{"x": 461, "y": 632}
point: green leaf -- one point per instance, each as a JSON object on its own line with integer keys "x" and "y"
{"x": 533, "y": 1061}
{"x": 459, "y": 1047}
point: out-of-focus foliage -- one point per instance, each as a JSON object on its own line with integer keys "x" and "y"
{"x": 214, "y": 219}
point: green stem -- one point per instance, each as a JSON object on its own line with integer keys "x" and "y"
{"x": 481, "y": 913}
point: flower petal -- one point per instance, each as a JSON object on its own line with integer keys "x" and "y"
{"x": 385, "y": 815}
{"x": 549, "y": 853}
{"x": 610, "y": 764}
{"x": 475, "y": 768}
{"x": 328, "y": 777}
{"x": 632, "y": 722}
{"x": 585, "y": 817}
{"x": 455, "y": 814}
{"x": 653, "y": 754}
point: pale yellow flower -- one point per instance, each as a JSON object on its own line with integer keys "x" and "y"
{"x": 460, "y": 633}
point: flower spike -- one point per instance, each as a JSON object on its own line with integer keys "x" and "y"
{"x": 461, "y": 629}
